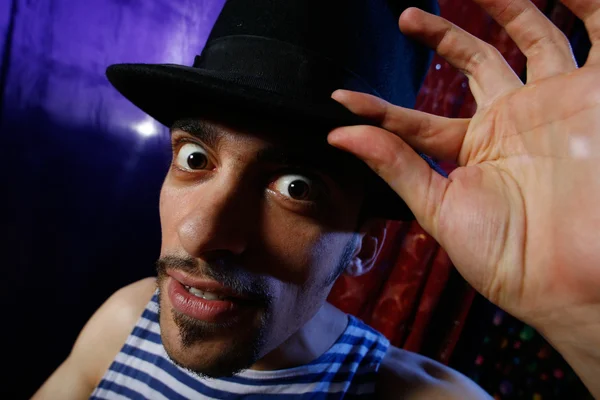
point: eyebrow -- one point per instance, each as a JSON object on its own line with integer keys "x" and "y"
{"x": 200, "y": 129}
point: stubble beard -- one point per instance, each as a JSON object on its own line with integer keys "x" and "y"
{"x": 239, "y": 354}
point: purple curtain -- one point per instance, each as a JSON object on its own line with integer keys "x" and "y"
{"x": 80, "y": 167}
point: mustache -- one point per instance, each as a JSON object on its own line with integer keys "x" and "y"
{"x": 231, "y": 276}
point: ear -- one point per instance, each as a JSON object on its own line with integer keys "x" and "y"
{"x": 371, "y": 238}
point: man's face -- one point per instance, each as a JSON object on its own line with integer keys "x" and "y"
{"x": 255, "y": 228}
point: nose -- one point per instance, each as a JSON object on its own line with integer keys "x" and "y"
{"x": 219, "y": 220}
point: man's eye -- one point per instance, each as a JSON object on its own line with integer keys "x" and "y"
{"x": 297, "y": 187}
{"x": 191, "y": 157}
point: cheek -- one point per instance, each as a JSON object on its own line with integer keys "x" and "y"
{"x": 328, "y": 252}
{"x": 285, "y": 250}
{"x": 301, "y": 252}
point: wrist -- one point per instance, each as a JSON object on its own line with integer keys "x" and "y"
{"x": 574, "y": 328}
{"x": 575, "y": 334}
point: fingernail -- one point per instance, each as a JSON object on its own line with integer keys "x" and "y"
{"x": 338, "y": 95}
{"x": 334, "y": 136}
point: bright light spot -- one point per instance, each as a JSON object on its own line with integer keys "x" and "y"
{"x": 146, "y": 128}
{"x": 438, "y": 67}
{"x": 580, "y": 147}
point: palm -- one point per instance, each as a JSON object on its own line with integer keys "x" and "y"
{"x": 528, "y": 170}
{"x": 519, "y": 217}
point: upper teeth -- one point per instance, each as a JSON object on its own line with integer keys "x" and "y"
{"x": 202, "y": 294}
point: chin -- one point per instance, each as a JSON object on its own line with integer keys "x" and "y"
{"x": 210, "y": 349}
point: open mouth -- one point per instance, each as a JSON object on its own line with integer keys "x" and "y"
{"x": 207, "y": 300}
{"x": 207, "y": 295}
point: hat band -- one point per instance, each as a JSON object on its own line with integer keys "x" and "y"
{"x": 277, "y": 66}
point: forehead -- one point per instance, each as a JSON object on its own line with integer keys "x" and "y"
{"x": 271, "y": 143}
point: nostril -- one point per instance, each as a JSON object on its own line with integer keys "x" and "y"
{"x": 220, "y": 258}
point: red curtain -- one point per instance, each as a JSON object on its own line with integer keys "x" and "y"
{"x": 401, "y": 295}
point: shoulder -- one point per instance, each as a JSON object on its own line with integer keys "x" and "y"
{"x": 98, "y": 343}
{"x": 408, "y": 375}
{"x": 106, "y": 331}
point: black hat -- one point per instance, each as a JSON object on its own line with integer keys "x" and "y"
{"x": 284, "y": 58}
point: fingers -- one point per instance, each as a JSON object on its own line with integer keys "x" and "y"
{"x": 439, "y": 137}
{"x": 489, "y": 74}
{"x": 401, "y": 167}
{"x": 547, "y": 49}
{"x": 589, "y": 12}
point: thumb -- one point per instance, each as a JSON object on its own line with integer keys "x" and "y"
{"x": 407, "y": 173}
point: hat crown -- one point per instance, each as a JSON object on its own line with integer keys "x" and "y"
{"x": 361, "y": 36}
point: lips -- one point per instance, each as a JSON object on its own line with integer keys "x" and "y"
{"x": 206, "y": 285}
{"x": 206, "y": 300}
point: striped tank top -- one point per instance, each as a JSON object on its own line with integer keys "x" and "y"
{"x": 143, "y": 370}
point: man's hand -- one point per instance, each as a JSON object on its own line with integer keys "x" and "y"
{"x": 520, "y": 217}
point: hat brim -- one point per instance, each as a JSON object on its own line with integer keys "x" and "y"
{"x": 169, "y": 92}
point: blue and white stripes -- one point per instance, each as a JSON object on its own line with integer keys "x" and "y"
{"x": 143, "y": 370}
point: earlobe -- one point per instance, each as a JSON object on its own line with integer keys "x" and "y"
{"x": 368, "y": 248}
{"x": 355, "y": 268}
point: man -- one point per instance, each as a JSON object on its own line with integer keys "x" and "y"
{"x": 257, "y": 223}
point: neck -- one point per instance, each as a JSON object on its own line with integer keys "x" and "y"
{"x": 309, "y": 342}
